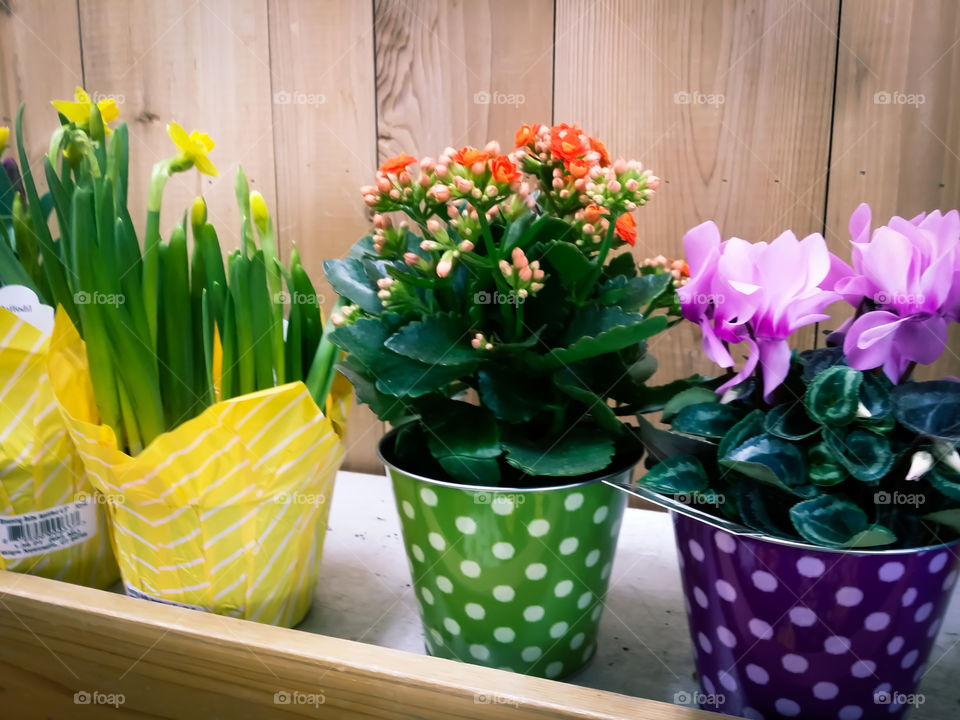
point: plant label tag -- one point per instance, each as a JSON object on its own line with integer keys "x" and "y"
{"x": 44, "y": 531}
{"x": 139, "y": 594}
{"x": 24, "y": 303}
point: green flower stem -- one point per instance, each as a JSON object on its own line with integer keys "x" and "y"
{"x": 498, "y": 278}
{"x": 323, "y": 368}
{"x": 264, "y": 225}
{"x": 151, "y": 253}
{"x": 601, "y": 256}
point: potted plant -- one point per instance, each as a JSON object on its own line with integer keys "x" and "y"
{"x": 816, "y": 495}
{"x": 205, "y": 413}
{"x": 489, "y": 320}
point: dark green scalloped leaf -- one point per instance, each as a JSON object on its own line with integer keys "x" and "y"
{"x": 750, "y": 426}
{"x": 834, "y": 521}
{"x": 568, "y": 264}
{"x": 773, "y": 461}
{"x": 691, "y": 396}
{"x": 763, "y": 509}
{"x": 790, "y": 422}
{"x": 363, "y": 339}
{"x": 598, "y": 331}
{"x": 826, "y": 474}
{"x": 865, "y": 455}
{"x": 710, "y": 419}
{"x": 567, "y": 382}
{"x": 441, "y": 339}
{"x": 816, "y": 361}
{"x": 582, "y": 450}
{"x": 945, "y": 481}
{"x": 929, "y": 408}
{"x": 875, "y": 399}
{"x": 676, "y": 475}
{"x": 387, "y": 408}
{"x": 833, "y": 396}
{"x": 398, "y": 375}
{"x": 349, "y": 280}
{"x": 633, "y": 294}
{"x": 510, "y": 396}
{"x": 465, "y": 440}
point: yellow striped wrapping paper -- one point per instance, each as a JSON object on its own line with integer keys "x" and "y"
{"x": 40, "y": 468}
{"x": 227, "y": 512}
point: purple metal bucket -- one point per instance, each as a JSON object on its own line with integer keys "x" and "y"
{"x": 786, "y": 630}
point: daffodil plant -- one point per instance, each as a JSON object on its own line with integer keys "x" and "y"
{"x": 152, "y": 319}
{"x": 504, "y": 327}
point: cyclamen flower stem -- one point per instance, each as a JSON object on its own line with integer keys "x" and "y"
{"x": 907, "y": 373}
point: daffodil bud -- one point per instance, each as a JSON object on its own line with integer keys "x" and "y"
{"x": 198, "y": 216}
{"x": 258, "y": 209}
{"x": 4, "y": 134}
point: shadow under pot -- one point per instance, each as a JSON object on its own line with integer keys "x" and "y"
{"x": 510, "y": 578}
{"x": 783, "y": 629}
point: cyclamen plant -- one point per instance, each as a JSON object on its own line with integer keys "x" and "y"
{"x": 503, "y": 323}
{"x": 836, "y": 446}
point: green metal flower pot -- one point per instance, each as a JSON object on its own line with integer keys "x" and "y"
{"x": 512, "y": 579}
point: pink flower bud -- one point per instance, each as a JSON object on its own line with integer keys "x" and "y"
{"x": 336, "y": 319}
{"x": 370, "y": 200}
{"x": 588, "y": 229}
{"x": 519, "y": 259}
{"x": 411, "y": 259}
{"x": 367, "y": 190}
{"x": 466, "y": 246}
{"x": 463, "y": 185}
{"x": 404, "y": 178}
{"x": 383, "y": 294}
{"x": 538, "y": 274}
{"x": 525, "y": 274}
{"x": 445, "y": 265}
{"x": 557, "y": 183}
{"x": 441, "y": 171}
{"x": 477, "y": 342}
{"x": 653, "y": 182}
{"x": 394, "y": 194}
{"x": 632, "y": 185}
{"x": 434, "y": 225}
{"x": 384, "y": 283}
{"x": 492, "y": 147}
{"x": 477, "y": 168}
{"x": 383, "y": 185}
{"x": 491, "y": 191}
{"x": 614, "y": 186}
{"x": 381, "y": 222}
{"x": 440, "y": 192}
{"x": 505, "y": 268}
{"x": 427, "y": 164}
{"x": 620, "y": 166}
{"x": 424, "y": 180}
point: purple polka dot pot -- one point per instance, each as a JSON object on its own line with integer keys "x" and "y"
{"x": 786, "y": 630}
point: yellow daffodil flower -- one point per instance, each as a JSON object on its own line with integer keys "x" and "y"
{"x": 79, "y": 112}
{"x": 4, "y": 134}
{"x": 193, "y": 148}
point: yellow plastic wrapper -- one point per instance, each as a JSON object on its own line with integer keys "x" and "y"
{"x": 52, "y": 521}
{"x": 225, "y": 513}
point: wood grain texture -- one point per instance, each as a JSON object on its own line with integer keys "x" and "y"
{"x": 324, "y": 129}
{"x": 728, "y": 102}
{"x": 461, "y": 72}
{"x": 57, "y": 640}
{"x": 203, "y": 64}
{"x": 896, "y": 139}
{"x": 39, "y": 62}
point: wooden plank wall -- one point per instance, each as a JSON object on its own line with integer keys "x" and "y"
{"x": 761, "y": 114}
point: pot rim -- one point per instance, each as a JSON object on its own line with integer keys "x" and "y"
{"x": 678, "y": 508}
{"x": 504, "y": 489}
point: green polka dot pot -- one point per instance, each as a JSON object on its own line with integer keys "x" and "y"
{"x": 511, "y": 579}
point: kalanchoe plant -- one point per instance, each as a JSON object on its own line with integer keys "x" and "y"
{"x": 836, "y": 446}
{"x": 487, "y": 304}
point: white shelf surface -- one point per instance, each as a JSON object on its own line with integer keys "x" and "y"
{"x": 364, "y": 593}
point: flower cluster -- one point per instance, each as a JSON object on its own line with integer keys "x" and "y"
{"x": 905, "y": 284}
{"x": 757, "y": 294}
{"x": 524, "y": 277}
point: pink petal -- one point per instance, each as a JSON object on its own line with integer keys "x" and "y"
{"x": 775, "y": 359}
{"x": 860, "y": 224}
{"x": 748, "y": 367}
{"x": 869, "y": 355}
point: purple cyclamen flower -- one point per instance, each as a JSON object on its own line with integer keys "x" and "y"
{"x": 755, "y": 293}
{"x": 907, "y": 278}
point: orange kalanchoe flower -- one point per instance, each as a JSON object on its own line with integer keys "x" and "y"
{"x": 526, "y": 134}
{"x": 397, "y": 164}
{"x": 566, "y": 141}
{"x": 503, "y": 169}
{"x": 577, "y": 167}
{"x": 467, "y": 156}
{"x": 627, "y": 228}
{"x": 592, "y": 213}
{"x": 598, "y": 146}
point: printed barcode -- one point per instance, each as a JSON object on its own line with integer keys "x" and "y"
{"x": 47, "y": 530}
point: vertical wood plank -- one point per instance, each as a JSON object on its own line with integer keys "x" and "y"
{"x": 728, "y": 102}
{"x": 896, "y": 138}
{"x": 461, "y": 73}
{"x": 40, "y": 61}
{"x": 205, "y": 65}
{"x": 324, "y": 114}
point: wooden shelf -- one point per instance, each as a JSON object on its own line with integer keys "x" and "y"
{"x": 57, "y": 640}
